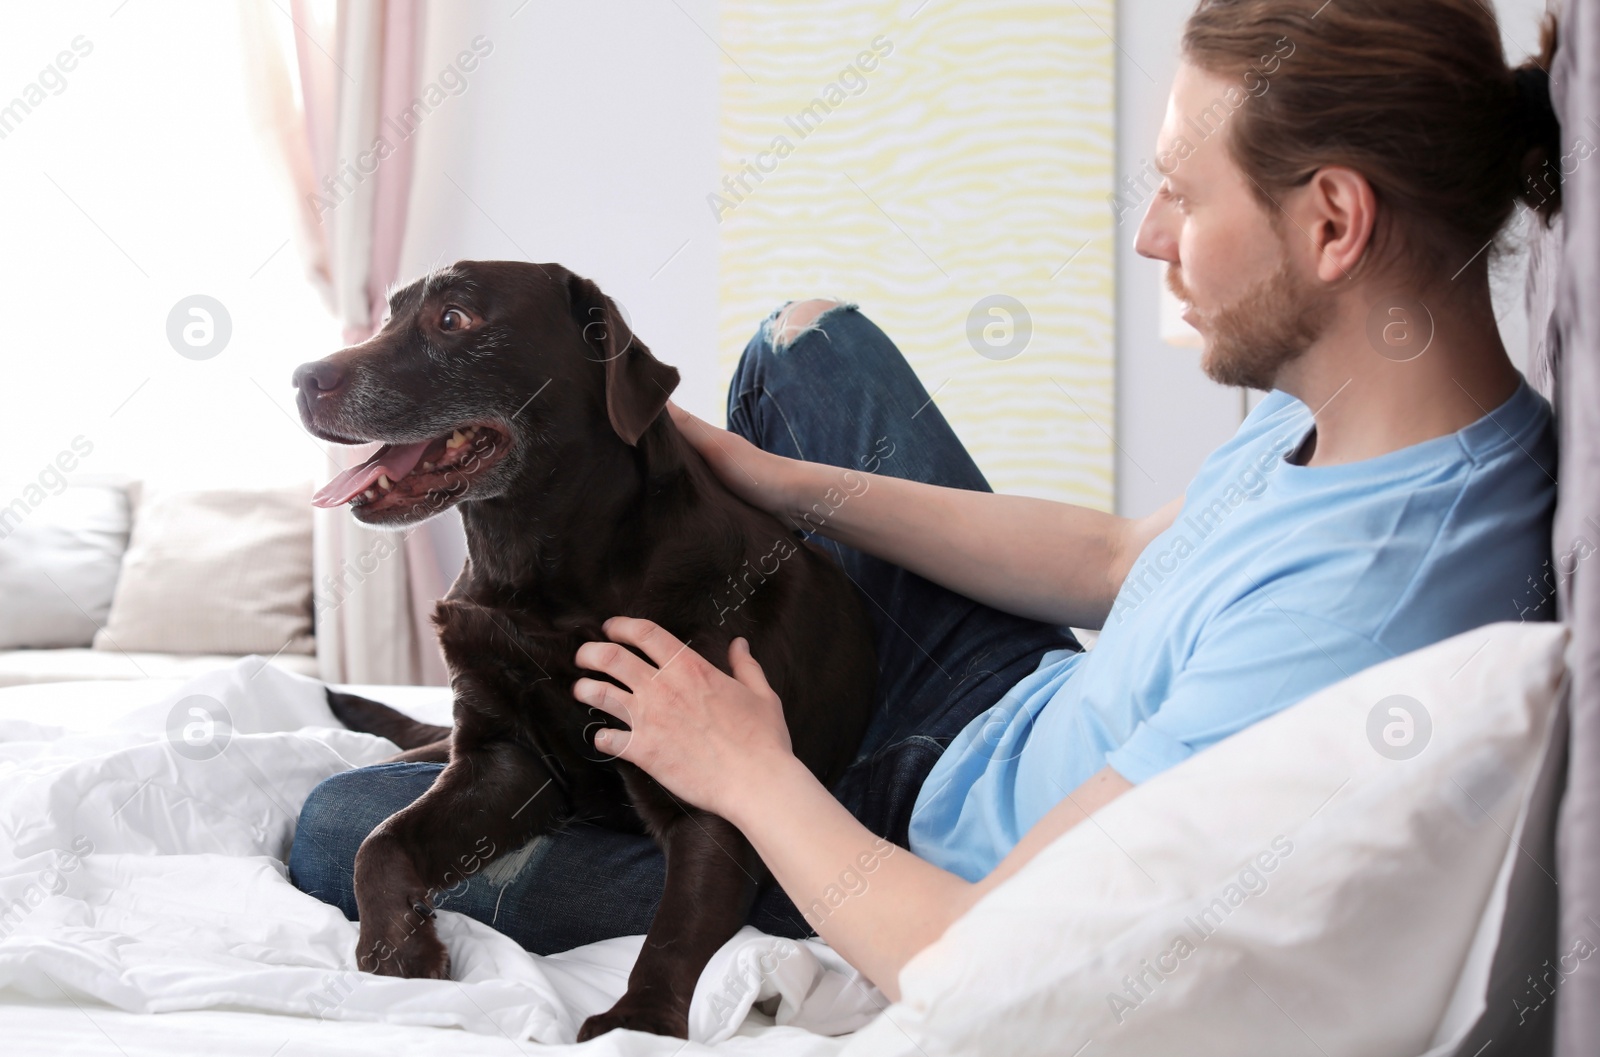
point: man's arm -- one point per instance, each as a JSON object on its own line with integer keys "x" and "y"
{"x": 1034, "y": 557}
{"x": 878, "y": 905}
{"x": 1050, "y": 561}
{"x": 719, "y": 741}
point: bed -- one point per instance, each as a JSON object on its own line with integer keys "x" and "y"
{"x": 158, "y": 812}
{"x": 144, "y": 902}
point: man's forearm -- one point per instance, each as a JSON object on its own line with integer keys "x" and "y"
{"x": 1041, "y": 559}
{"x": 872, "y": 901}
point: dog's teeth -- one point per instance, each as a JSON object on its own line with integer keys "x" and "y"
{"x": 455, "y": 441}
{"x": 384, "y": 482}
{"x": 369, "y": 494}
{"x": 427, "y": 466}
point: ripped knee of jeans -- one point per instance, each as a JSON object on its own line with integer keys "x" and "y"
{"x": 801, "y": 317}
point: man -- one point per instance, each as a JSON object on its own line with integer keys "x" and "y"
{"x": 1393, "y": 489}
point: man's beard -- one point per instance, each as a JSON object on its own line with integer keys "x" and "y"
{"x": 1249, "y": 342}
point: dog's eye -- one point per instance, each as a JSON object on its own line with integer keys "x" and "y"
{"x": 454, "y": 319}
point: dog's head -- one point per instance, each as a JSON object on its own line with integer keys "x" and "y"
{"x": 482, "y": 373}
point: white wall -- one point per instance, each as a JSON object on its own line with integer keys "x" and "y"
{"x": 1169, "y": 415}
{"x": 588, "y": 137}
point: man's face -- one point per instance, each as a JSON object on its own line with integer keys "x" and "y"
{"x": 1229, "y": 256}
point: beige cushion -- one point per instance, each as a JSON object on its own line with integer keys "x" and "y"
{"x": 59, "y": 562}
{"x": 221, "y": 572}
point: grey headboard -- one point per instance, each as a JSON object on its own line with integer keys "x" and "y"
{"x": 1564, "y": 302}
{"x": 1544, "y": 993}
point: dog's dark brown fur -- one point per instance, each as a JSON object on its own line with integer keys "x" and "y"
{"x": 583, "y": 503}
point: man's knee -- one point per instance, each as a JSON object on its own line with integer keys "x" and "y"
{"x": 796, "y": 318}
{"x": 345, "y": 807}
{"x": 321, "y": 853}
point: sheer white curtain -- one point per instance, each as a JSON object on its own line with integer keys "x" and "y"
{"x": 336, "y": 83}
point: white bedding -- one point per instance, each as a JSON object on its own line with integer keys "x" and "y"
{"x": 144, "y": 905}
{"x": 144, "y": 909}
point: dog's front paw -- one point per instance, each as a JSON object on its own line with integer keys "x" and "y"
{"x": 398, "y": 937}
{"x": 417, "y": 954}
{"x": 641, "y": 1014}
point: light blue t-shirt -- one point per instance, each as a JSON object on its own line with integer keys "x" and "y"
{"x": 1275, "y": 581}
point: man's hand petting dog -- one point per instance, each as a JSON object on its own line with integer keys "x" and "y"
{"x": 762, "y": 479}
{"x": 697, "y": 731}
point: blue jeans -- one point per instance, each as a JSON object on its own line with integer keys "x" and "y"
{"x": 838, "y": 393}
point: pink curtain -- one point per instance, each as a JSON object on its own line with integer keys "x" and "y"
{"x": 347, "y": 150}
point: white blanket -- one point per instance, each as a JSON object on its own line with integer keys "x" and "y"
{"x": 142, "y": 866}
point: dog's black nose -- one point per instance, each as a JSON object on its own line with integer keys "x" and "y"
{"x": 318, "y": 378}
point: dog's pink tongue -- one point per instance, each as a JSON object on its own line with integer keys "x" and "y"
{"x": 393, "y": 460}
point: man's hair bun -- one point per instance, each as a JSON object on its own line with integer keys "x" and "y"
{"x": 1536, "y": 130}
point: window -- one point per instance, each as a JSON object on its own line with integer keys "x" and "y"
{"x": 132, "y": 179}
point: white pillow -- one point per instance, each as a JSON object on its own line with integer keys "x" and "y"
{"x": 58, "y": 565}
{"x": 1292, "y": 890}
{"x": 226, "y": 571}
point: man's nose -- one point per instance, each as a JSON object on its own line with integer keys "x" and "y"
{"x": 1154, "y": 240}
{"x": 319, "y": 378}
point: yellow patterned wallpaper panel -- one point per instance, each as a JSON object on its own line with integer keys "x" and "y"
{"x": 919, "y": 157}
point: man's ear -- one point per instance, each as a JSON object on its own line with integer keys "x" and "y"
{"x": 637, "y": 384}
{"x": 1341, "y": 217}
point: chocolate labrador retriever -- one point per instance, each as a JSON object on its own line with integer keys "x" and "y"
{"x": 518, "y": 392}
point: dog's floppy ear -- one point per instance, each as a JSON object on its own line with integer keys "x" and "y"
{"x": 637, "y": 384}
